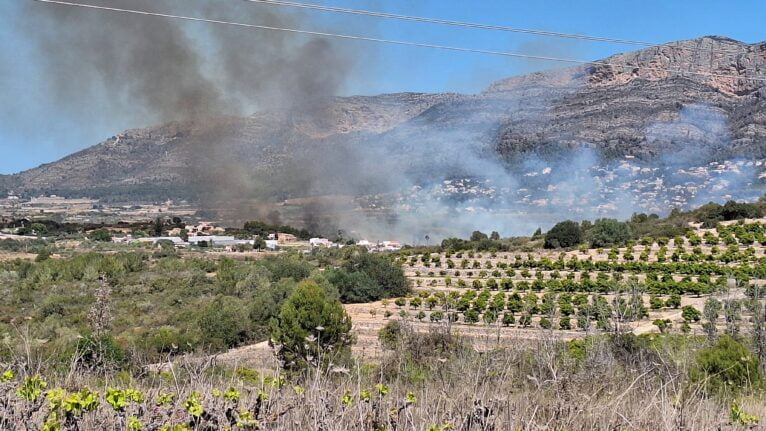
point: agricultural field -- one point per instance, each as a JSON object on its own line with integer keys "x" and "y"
{"x": 697, "y": 283}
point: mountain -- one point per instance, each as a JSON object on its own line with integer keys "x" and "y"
{"x": 663, "y": 110}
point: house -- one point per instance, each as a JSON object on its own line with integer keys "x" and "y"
{"x": 204, "y": 228}
{"x": 210, "y": 240}
{"x": 321, "y": 242}
{"x": 272, "y": 244}
{"x": 177, "y": 242}
{"x": 391, "y": 245}
{"x": 285, "y": 238}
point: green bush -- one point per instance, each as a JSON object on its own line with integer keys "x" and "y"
{"x": 388, "y": 276}
{"x": 392, "y": 334}
{"x": 354, "y": 287}
{"x": 99, "y": 352}
{"x": 223, "y": 323}
{"x": 310, "y": 326}
{"x": 101, "y": 235}
{"x": 727, "y": 366}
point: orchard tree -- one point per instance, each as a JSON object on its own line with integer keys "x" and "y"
{"x": 508, "y": 319}
{"x": 690, "y": 314}
{"x": 674, "y": 301}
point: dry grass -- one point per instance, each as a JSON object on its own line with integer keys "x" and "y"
{"x": 540, "y": 385}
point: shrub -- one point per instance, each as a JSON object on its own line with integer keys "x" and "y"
{"x": 392, "y": 334}
{"x": 310, "y": 326}
{"x": 101, "y": 352}
{"x": 727, "y": 365}
{"x": 354, "y": 287}
{"x": 662, "y": 324}
{"x": 223, "y": 323}
{"x": 288, "y": 267}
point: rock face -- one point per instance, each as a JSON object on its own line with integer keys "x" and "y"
{"x": 651, "y": 108}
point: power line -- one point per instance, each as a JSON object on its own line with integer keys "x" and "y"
{"x": 474, "y": 25}
{"x": 398, "y": 42}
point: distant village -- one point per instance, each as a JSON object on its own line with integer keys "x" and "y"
{"x": 207, "y": 235}
{"x": 19, "y": 214}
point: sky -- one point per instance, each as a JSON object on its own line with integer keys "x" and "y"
{"x": 36, "y": 128}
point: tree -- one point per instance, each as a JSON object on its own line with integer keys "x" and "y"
{"x": 508, "y": 319}
{"x": 471, "y": 316}
{"x": 388, "y": 276}
{"x": 563, "y": 234}
{"x": 732, "y": 308}
{"x": 311, "y": 329}
{"x": 354, "y": 287}
{"x": 477, "y": 236}
{"x": 39, "y": 229}
{"x": 266, "y": 304}
{"x": 101, "y": 235}
{"x": 690, "y": 314}
{"x": 288, "y": 267}
{"x": 494, "y": 236}
{"x": 674, "y": 301}
{"x": 608, "y": 232}
{"x": 525, "y": 320}
{"x": 392, "y": 334}
{"x": 158, "y": 226}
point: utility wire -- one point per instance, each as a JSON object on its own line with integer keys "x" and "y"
{"x": 397, "y": 42}
{"x": 474, "y": 25}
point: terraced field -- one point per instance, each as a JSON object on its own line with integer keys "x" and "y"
{"x": 704, "y": 281}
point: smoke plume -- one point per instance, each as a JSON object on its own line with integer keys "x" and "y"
{"x": 157, "y": 69}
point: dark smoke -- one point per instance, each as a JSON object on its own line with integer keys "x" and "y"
{"x": 145, "y": 70}
{"x": 156, "y": 69}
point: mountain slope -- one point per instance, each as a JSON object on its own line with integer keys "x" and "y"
{"x": 367, "y": 145}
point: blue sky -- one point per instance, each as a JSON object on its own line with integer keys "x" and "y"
{"x": 35, "y": 129}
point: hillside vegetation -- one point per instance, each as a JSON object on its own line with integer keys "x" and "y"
{"x": 487, "y": 333}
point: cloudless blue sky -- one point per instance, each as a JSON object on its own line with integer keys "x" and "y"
{"x": 35, "y": 130}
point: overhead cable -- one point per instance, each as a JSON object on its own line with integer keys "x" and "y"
{"x": 400, "y": 42}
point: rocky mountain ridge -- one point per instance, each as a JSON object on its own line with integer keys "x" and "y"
{"x": 653, "y": 107}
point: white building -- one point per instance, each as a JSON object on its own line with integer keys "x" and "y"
{"x": 177, "y": 242}
{"x": 211, "y": 240}
{"x": 321, "y": 242}
{"x": 391, "y": 245}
